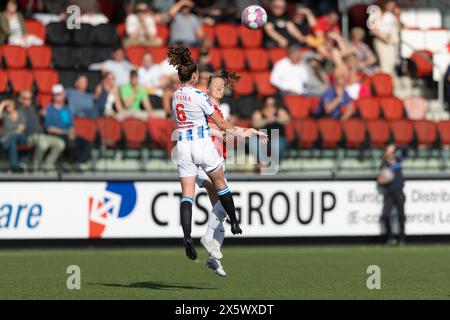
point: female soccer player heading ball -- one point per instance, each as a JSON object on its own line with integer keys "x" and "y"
{"x": 215, "y": 233}
{"x": 195, "y": 148}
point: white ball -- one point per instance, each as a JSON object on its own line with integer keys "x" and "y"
{"x": 254, "y": 17}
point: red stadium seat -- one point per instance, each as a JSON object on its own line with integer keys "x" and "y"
{"x": 299, "y": 107}
{"x": 368, "y": 108}
{"x": 159, "y": 54}
{"x": 358, "y": 14}
{"x": 216, "y": 59}
{"x": 402, "y": 131}
{"x": 209, "y": 33}
{"x": 85, "y": 128}
{"x": 355, "y": 133}
{"x": 135, "y": 54}
{"x": 3, "y": 81}
{"x": 444, "y": 132}
{"x": 257, "y": 59}
{"x": 245, "y": 86}
{"x": 161, "y": 133}
{"x": 415, "y": 107}
{"x": 245, "y": 123}
{"x": 392, "y": 108}
{"x": 330, "y": 131}
{"x": 276, "y": 54}
{"x": 425, "y": 132}
{"x": 15, "y": 56}
{"x": 110, "y": 131}
{"x": 250, "y": 38}
{"x": 40, "y": 57}
{"x": 233, "y": 59}
{"x": 422, "y": 60}
{"x": 163, "y": 33}
{"x": 308, "y": 133}
{"x": 227, "y": 35}
{"x": 263, "y": 85}
{"x": 45, "y": 79}
{"x": 20, "y": 80}
{"x": 379, "y": 133}
{"x": 382, "y": 85}
{"x": 135, "y": 133}
{"x": 44, "y": 100}
{"x": 121, "y": 30}
{"x": 289, "y": 130}
{"x": 314, "y": 102}
{"x": 195, "y": 52}
{"x": 36, "y": 28}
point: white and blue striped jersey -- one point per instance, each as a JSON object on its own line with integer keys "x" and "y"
{"x": 191, "y": 108}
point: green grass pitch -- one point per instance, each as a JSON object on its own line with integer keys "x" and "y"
{"x": 289, "y": 272}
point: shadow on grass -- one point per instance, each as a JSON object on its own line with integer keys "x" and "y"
{"x": 155, "y": 286}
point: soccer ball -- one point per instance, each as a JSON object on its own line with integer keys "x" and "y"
{"x": 254, "y": 17}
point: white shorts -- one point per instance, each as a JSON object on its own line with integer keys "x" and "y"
{"x": 196, "y": 154}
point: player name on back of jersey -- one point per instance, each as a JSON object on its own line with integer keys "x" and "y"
{"x": 183, "y": 97}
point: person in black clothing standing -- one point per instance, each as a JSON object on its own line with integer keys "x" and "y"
{"x": 391, "y": 183}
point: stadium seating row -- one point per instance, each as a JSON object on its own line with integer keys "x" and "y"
{"x": 136, "y": 134}
{"x": 308, "y": 133}
{"x": 369, "y": 108}
{"x": 356, "y": 133}
{"x": 224, "y": 35}
{"x": 41, "y": 57}
{"x": 57, "y": 34}
{"x": 42, "y": 80}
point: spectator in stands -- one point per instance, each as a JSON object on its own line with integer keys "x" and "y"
{"x": 326, "y": 23}
{"x": 59, "y": 122}
{"x": 118, "y": 65}
{"x": 81, "y": 103}
{"x": 336, "y": 102}
{"x": 141, "y": 28}
{"x": 280, "y": 30}
{"x": 13, "y": 29}
{"x": 205, "y": 68}
{"x": 366, "y": 58}
{"x": 90, "y": 13}
{"x": 289, "y": 74}
{"x": 107, "y": 96}
{"x": 317, "y": 79}
{"x": 13, "y": 133}
{"x": 134, "y": 96}
{"x": 43, "y": 143}
{"x": 305, "y": 21}
{"x": 174, "y": 84}
{"x": 391, "y": 182}
{"x": 217, "y": 11}
{"x": 271, "y": 117}
{"x": 355, "y": 86}
{"x": 386, "y": 30}
{"x": 333, "y": 48}
{"x": 151, "y": 77}
{"x": 185, "y": 27}
{"x": 204, "y": 60}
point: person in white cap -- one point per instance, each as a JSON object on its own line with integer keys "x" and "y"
{"x": 58, "y": 117}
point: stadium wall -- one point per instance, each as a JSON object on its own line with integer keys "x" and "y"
{"x": 269, "y": 209}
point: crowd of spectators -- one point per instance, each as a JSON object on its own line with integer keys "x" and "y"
{"x": 319, "y": 62}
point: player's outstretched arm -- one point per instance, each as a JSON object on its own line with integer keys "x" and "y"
{"x": 237, "y": 131}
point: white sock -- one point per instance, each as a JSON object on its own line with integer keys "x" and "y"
{"x": 219, "y": 233}
{"x": 213, "y": 222}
